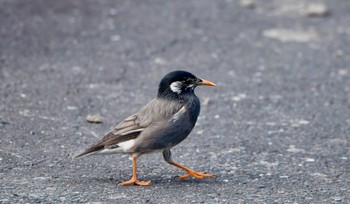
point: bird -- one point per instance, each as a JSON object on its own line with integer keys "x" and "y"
{"x": 162, "y": 123}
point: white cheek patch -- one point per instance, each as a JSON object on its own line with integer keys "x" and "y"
{"x": 176, "y": 87}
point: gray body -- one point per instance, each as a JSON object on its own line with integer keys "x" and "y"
{"x": 159, "y": 125}
{"x": 174, "y": 125}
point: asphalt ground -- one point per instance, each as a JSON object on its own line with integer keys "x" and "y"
{"x": 275, "y": 130}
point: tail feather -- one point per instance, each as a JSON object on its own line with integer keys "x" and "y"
{"x": 92, "y": 149}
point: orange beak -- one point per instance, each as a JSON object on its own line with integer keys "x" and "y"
{"x": 204, "y": 82}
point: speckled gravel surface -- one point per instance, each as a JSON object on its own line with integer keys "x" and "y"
{"x": 275, "y": 130}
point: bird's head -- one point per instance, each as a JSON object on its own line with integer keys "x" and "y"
{"x": 178, "y": 84}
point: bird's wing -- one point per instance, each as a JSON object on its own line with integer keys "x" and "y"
{"x": 132, "y": 126}
{"x": 126, "y": 130}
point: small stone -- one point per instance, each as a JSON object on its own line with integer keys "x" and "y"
{"x": 7, "y": 187}
{"x": 93, "y": 118}
{"x": 261, "y": 185}
{"x": 77, "y": 69}
{"x": 112, "y": 12}
{"x": 270, "y": 123}
{"x": 273, "y": 132}
{"x": 72, "y": 107}
{"x": 160, "y": 61}
{"x": 293, "y": 149}
{"x": 342, "y": 72}
{"x": 339, "y": 53}
{"x": 317, "y": 10}
{"x": 337, "y": 198}
{"x": 115, "y": 38}
{"x": 304, "y": 122}
{"x": 200, "y": 132}
{"x": 309, "y": 159}
{"x": 62, "y": 199}
{"x": 288, "y": 35}
{"x": 247, "y": 4}
{"x": 239, "y": 97}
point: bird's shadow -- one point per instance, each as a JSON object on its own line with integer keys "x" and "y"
{"x": 176, "y": 181}
{"x": 173, "y": 181}
{"x": 91, "y": 180}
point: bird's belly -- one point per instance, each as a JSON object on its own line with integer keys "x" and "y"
{"x": 162, "y": 138}
{"x": 179, "y": 134}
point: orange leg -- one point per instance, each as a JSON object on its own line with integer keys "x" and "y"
{"x": 190, "y": 172}
{"x": 133, "y": 179}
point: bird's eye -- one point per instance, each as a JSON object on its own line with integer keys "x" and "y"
{"x": 188, "y": 81}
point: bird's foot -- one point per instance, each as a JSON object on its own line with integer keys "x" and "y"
{"x": 135, "y": 182}
{"x": 198, "y": 175}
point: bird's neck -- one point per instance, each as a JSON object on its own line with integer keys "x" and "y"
{"x": 188, "y": 98}
{"x": 167, "y": 94}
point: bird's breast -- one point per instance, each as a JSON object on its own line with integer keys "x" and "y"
{"x": 193, "y": 109}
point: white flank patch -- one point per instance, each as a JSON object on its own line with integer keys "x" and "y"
{"x": 125, "y": 146}
{"x": 178, "y": 114}
{"x": 176, "y": 87}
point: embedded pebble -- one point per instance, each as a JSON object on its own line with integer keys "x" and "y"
{"x": 93, "y": 118}
{"x": 261, "y": 185}
{"x": 304, "y": 122}
{"x": 342, "y": 72}
{"x": 339, "y": 53}
{"x": 287, "y": 35}
{"x": 239, "y": 97}
{"x": 115, "y": 38}
{"x": 309, "y": 159}
{"x": 160, "y": 61}
{"x": 337, "y": 198}
{"x": 200, "y": 132}
{"x": 72, "y": 108}
{"x": 247, "y": 3}
{"x": 293, "y": 149}
{"x": 317, "y": 10}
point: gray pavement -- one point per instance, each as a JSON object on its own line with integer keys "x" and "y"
{"x": 275, "y": 130}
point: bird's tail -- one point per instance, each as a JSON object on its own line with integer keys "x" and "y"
{"x": 90, "y": 150}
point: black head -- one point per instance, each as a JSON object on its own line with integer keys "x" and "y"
{"x": 179, "y": 84}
